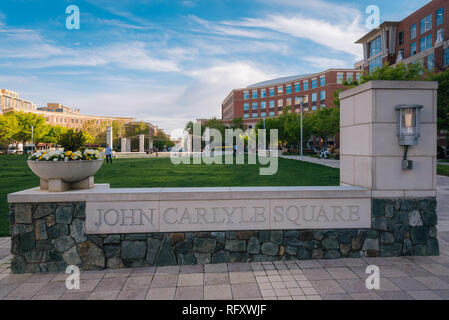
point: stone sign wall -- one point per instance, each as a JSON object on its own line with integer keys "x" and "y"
{"x": 50, "y": 236}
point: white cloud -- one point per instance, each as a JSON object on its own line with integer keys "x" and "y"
{"x": 326, "y": 63}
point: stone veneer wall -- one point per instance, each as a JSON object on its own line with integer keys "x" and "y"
{"x": 50, "y": 236}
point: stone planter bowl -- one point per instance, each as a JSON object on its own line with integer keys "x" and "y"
{"x": 57, "y": 176}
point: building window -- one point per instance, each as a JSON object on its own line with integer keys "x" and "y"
{"x": 440, "y": 36}
{"x": 271, "y": 92}
{"x": 288, "y": 89}
{"x": 376, "y": 63}
{"x": 413, "y": 31}
{"x": 322, "y": 81}
{"x": 439, "y": 16}
{"x": 314, "y": 97}
{"x": 297, "y": 101}
{"x": 358, "y": 76}
{"x": 322, "y": 95}
{"x": 263, "y": 114}
{"x": 413, "y": 49}
{"x": 401, "y": 38}
{"x": 272, "y": 104}
{"x": 425, "y": 43}
{"x": 314, "y": 83}
{"x": 271, "y": 113}
{"x": 246, "y": 106}
{"x": 280, "y": 103}
{"x": 305, "y": 85}
{"x": 255, "y": 105}
{"x": 263, "y": 105}
{"x": 446, "y": 57}
{"x": 349, "y": 77}
{"x": 246, "y": 115}
{"x": 313, "y": 108}
{"x": 431, "y": 61}
{"x": 245, "y": 95}
{"x": 289, "y": 102}
{"x": 280, "y": 89}
{"x": 297, "y": 87}
{"x": 254, "y": 114}
{"x": 254, "y": 94}
{"x": 375, "y": 47}
{"x": 425, "y": 24}
{"x": 263, "y": 93}
{"x": 340, "y": 77}
{"x": 322, "y": 106}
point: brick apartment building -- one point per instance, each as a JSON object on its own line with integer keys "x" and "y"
{"x": 55, "y": 113}
{"x": 269, "y": 98}
{"x": 422, "y": 37}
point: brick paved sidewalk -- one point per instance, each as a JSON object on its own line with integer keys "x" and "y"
{"x": 401, "y": 278}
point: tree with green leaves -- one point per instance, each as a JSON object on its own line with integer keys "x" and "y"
{"x": 237, "y": 123}
{"x": 326, "y": 123}
{"x": 8, "y": 128}
{"x": 443, "y": 98}
{"x": 53, "y": 134}
{"x": 25, "y": 122}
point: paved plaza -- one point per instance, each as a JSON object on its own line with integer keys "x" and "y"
{"x": 401, "y": 277}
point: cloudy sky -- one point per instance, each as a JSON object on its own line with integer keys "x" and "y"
{"x": 168, "y": 61}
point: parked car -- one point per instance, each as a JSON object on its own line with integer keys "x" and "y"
{"x": 3, "y": 150}
{"x": 12, "y": 150}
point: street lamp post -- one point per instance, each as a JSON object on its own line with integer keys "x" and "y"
{"x": 301, "y": 103}
{"x": 32, "y": 139}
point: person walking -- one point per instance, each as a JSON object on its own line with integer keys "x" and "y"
{"x": 108, "y": 152}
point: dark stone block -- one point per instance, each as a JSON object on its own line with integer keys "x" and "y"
{"x": 244, "y": 235}
{"x": 235, "y": 245}
{"x": 331, "y": 254}
{"x": 291, "y": 250}
{"x": 204, "y": 245}
{"x": 264, "y": 236}
{"x": 63, "y": 243}
{"x": 419, "y": 235}
{"x": 291, "y": 234}
{"x": 21, "y": 228}
{"x": 293, "y": 242}
{"x": 270, "y": 248}
{"x": 91, "y": 255}
{"x": 277, "y": 236}
{"x": 58, "y": 230}
{"x": 399, "y": 231}
{"x": 64, "y": 214}
{"x": 393, "y": 250}
{"x": 420, "y": 250}
{"x": 96, "y": 239}
{"x": 235, "y": 257}
{"x": 407, "y": 248}
{"x": 219, "y": 236}
{"x": 346, "y": 236}
{"x": 80, "y": 210}
{"x": 303, "y": 253}
{"x": 378, "y": 209}
{"x": 432, "y": 247}
{"x": 34, "y": 256}
{"x": 22, "y": 213}
{"x": 221, "y": 257}
{"x": 166, "y": 256}
{"x": 253, "y": 245}
{"x": 77, "y": 231}
{"x": 319, "y": 235}
{"x": 153, "y": 249}
{"x": 329, "y": 243}
{"x": 386, "y": 238}
{"x": 433, "y": 232}
{"x": 182, "y": 247}
{"x": 260, "y": 258}
{"x": 18, "y": 264}
{"x": 305, "y": 235}
{"x": 112, "y": 239}
{"x": 312, "y": 244}
{"x": 27, "y": 242}
{"x": 372, "y": 234}
{"x": 400, "y": 218}
{"x": 408, "y": 205}
{"x": 56, "y": 266}
{"x": 133, "y": 249}
{"x": 356, "y": 243}
{"x": 186, "y": 259}
{"x": 381, "y": 224}
{"x": 43, "y": 210}
{"x": 112, "y": 251}
{"x": 317, "y": 254}
{"x": 429, "y": 217}
{"x": 136, "y": 237}
{"x": 230, "y": 235}
{"x": 345, "y": 249}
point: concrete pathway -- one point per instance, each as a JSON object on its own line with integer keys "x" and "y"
{"x": 401, "y": 277}
{"x": 325, "y": 162}
{"x": 443, "y": 163}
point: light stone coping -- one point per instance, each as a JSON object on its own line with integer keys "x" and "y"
{"x": 387, "y": 84}
{"x": 102, "y": 192}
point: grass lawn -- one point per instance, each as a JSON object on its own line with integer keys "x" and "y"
{"x": 443, "y": 170}
{"x": 136, "y": 173}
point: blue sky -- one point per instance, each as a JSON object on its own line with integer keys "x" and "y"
{"x": 168, "y": 61}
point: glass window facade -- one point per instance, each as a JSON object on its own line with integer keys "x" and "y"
{"x": 376, "y": 63}
{"x": 280, "y": 103}
{"x": 314, "y": 83}
{"x": 401, "y": 38}
{"x": 431, "y": 61}
{"x": 246, "y": 106}
{"x": 271, "y": 92}
{"x": 289, "y": 102}
{"x": 297, "y": 87}
{"x": 446, "y": 57}
{"x": 246, "y": 115}
{"x": 439, "y": 16}
{"x": 254, "y": 94}
{"x": 425, "y": 43}
{"x": 280, "y": 89}
{"x": 263, "y": 93}
{"x": 271, "y": 113}
{"x": 412, "y": 48}
{"x": 322, "y": 81}
{"x": 375, "y": 47}
{"x": 288, "y": 89}
{"x": 340, "y": 77}
{"x": 413, "y": 31}
{"x": 245, "y": 95}
{"x": 313, "y": 108}
{"x": 349, "y": 77}
{"x": 263, "y": 114}
{"x": 272, "y": 104}
{"x": 263, "y": 104}
{"x": 314, "y": 97}
{"x": 358, "y": 76}
{"x": 425, "y": 24}
{"x": 305, "y": 85}
{"x": 255, "y": 105}
{"x": 297, "y": 101}
{"x": 323, "y": 95}
{"x": 254, "y": 115}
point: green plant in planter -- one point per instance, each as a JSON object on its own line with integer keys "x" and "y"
{"x": 72, "y": 140}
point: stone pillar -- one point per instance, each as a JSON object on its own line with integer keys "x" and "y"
{"x": 370, "y": 152}
{"x": 109, "y": 137}
{"x": 128, "y": 144}
{"x": 142, "y": 143}
{"x": 123, "y": 145}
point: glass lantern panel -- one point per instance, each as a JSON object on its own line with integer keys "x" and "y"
{"x": 408, "y": 120}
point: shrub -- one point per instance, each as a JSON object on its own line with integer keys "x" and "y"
{"x": 72, "y": 140}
